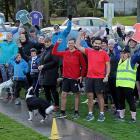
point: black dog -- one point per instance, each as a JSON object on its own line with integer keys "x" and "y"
{"x": 35, "y": 103}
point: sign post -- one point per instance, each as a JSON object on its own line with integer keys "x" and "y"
{"x": 109, "y": 13}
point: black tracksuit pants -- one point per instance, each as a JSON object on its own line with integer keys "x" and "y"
{"x": 51, "y": 94}
{"x": 126, "y": 93}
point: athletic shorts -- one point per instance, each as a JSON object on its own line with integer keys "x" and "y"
{"x": 70, "y": 85}
{"x": 94, "y": 85}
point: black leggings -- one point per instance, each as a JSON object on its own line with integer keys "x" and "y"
{"x": 18, "y": 85}
{"x": 29, "y": 79}
{"x": 126, "y": 93}
{"x": 51, "y": 94}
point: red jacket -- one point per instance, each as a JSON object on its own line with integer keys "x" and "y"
{"x": 74, "y": 64}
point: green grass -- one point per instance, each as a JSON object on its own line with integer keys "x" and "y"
{"x": 55, "y": 21}
{"x": 125, "y": 20}
{"x": 111, "y": 128}
{"x": 11, "y": 130}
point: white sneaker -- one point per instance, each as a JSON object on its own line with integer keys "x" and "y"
{"x": 29, "y": 119}
{"x": 49, "y": 109}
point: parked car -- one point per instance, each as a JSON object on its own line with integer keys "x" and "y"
{"x": 48, "y": 31}
{"x": 91, "y": 24}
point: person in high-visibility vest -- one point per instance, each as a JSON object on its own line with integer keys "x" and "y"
{"x": 125, "y": 83}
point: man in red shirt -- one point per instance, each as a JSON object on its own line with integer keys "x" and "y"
{"x": 74, "y": 68}
{"x": 98, "y": 71}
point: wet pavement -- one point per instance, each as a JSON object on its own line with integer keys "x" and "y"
{"x": 68, "y": 130}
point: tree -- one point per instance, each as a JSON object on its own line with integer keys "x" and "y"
{"x": 138, "y": 11}
{"x": 37, "y": 5}
{"x": 71, "y": 7}
{"x": 46, "y": 12}
{"x": 8, "y": 8}
{"x": 83, "y": 5}
{"x": 48, "y": 7}
{"x": 94, "y": 5}
{"x": 20, "y": 4}
{"x": 58, "y": 7}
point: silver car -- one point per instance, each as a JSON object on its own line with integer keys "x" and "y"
{"x": 92, "y": 24}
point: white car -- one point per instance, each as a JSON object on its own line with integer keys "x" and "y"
{"x": 91, "y": 24}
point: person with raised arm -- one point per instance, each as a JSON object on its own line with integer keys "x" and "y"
{"x": 97, "y": 73}
{"x": 74, "y": 68}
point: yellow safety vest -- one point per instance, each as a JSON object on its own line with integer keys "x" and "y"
{"x": 126, "y": 76}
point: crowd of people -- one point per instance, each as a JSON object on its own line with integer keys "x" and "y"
{"x": 107, "y": 64}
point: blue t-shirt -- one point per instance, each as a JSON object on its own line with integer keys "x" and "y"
{"x": 36, "y": 17}
{"x": 22, "y": 15}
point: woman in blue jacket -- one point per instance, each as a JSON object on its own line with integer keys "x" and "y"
{"x": 20, "y": 67}
{"x": 8, "y": 49}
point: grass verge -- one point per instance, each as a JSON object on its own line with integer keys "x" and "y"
{"x": 11, "y": 130}
{"x": 127, "y": 20}
{"x": 111, "y": 128}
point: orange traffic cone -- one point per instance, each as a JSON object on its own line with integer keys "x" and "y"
{"x": 54, "y": 131}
